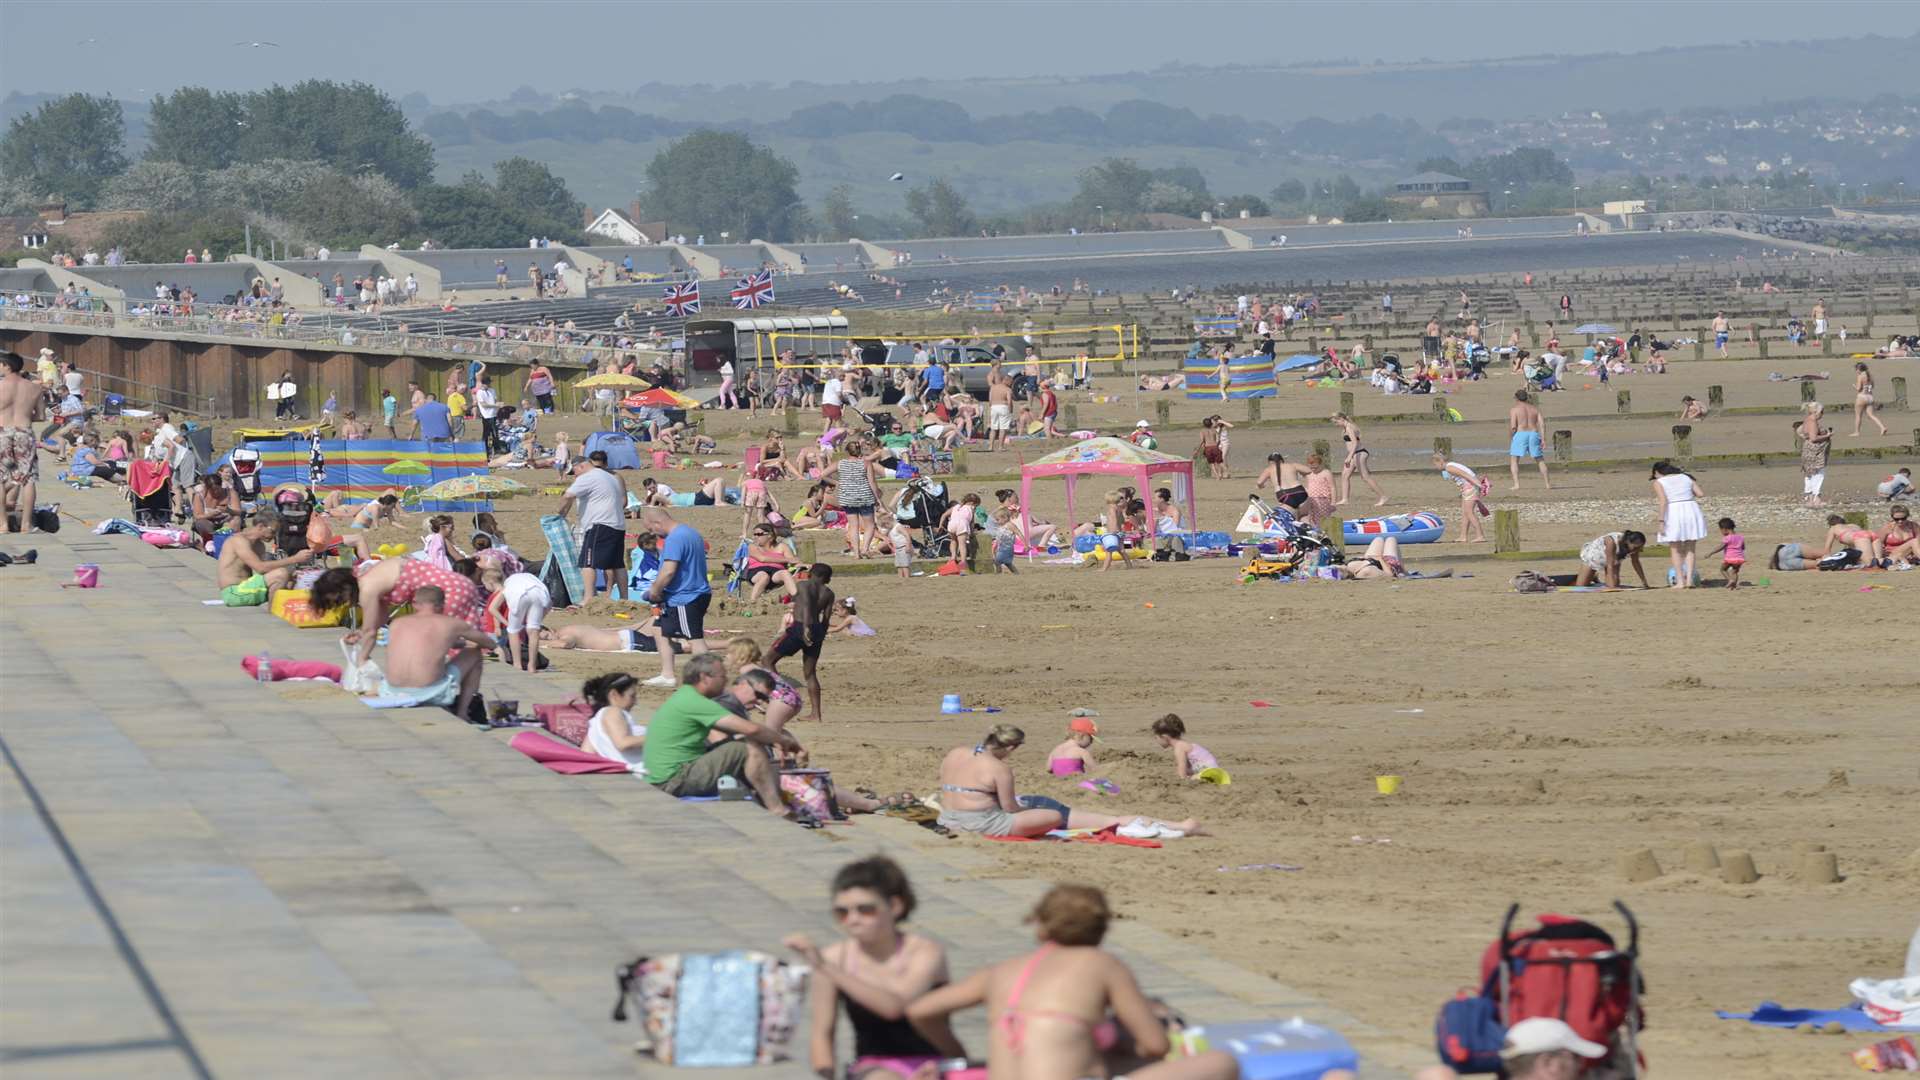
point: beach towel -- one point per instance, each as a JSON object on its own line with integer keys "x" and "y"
{"x": 147, "y": 477}
{"x": 561, "y": 758}
{"x": 563, "y": 555}
{"x": 1773, "y": 1014}
{"x": 1109, "y": 835}
{"x": 283, "y": 670}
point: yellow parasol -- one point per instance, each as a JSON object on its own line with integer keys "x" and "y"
{"x": 613, "y": 380}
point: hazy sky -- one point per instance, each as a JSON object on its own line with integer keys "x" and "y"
{"x": 471, "y": 51}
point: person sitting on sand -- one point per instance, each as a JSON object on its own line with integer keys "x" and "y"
{"x": 877, "y": 973}
{"x": 1900, "y": 540}
{"x": 1189, "y": 758}
{"x": 768, "y": 563}
{"x": 1050, "y": 1007}
{"x": 247, "y": 578}
{"x": 1600, "y": 559}
{"x": 1843, "y": 534}
{"x": 380, "y": 587}
{"x": 1073, "y": 755}
{"x": 846, "y": 620}
{"x": 680, "y": 760}
{"x": 1691, "y": 409}
{"x": 976, "y": 795}
{"x": 613, "y": 733}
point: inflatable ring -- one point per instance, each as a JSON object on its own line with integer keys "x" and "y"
{"x": 390, "y": 551}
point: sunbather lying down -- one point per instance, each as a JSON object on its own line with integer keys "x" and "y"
{"x": 1163, "y": 382}
{"x": 640, "y": 638}
{"x": 1382, "y": 560}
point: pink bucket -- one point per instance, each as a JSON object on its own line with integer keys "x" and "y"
{"x": 659, "y": 459}
{"x": 87, "y": 575}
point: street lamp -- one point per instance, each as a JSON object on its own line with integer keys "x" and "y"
{"x": 1103, "y": 215}
{"x": 1508, "y": 192}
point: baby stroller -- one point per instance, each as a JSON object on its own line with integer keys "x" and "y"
{"x": 245, "y": 462}
{"x": 1566, "y": 969}
{"x": 1292, "y": 533}
{"x": 293, "y": 505}
{"x": 881, "y": 424}
{"x": 150, "y": 493}
{"x": 921, "y": 506}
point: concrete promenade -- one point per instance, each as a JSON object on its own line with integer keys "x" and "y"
{"x": 279, "y": 882}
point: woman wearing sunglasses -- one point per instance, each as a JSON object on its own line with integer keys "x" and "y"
{"x": 875, "y": 972}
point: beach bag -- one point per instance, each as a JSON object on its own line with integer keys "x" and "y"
{"x": 295, "y": 607}
{"x": 726, "y": 1009}
{"x": 810, "y": 790}
{"x": 568, "y": 721}
{"x": 358, "y": 678}
{"x": 1529, "y": 581}
{"x": 1843, "y": 559}
{"x": 1468, "y": 1032}
{"x": 555, "y": 579}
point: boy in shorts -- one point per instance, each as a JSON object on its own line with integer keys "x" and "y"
{"x": 807, "y": 632}
{"x": 901, "y": 538}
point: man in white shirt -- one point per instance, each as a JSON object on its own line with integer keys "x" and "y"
{"x": 164, "y": 438}
{"x": 603, "y": 513}
{"x": 487, "y": 403}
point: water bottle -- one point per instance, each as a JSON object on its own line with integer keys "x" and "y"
{"x": 729, "y": 789}
{"x": 263, "y": 671}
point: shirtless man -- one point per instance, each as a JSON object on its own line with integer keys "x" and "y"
{"x": 20, "y": 401}
{"x": 247, "y": 577}
{"x": 999, "y": 412}
{"x": 1720, "y": 329}
{"x": 641, "y": 638}
{"x": 1525, "y": 426}
{"x": 417, "y": 664}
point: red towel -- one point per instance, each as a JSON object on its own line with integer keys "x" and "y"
{"x": 292, "y": 669}
{"x": 1104, "y": 836}
{"x": 147, "y": 477}
{"x": 562, "y": 758}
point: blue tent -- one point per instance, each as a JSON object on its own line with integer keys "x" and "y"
{"x": 1298, "y": 361}
{"x": 621, "y": 453}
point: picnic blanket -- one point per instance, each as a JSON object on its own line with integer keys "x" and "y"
{"x": 563, "y": 555}
{"x": 1773, "y": 1014}
{"x": 561, "y": 758}
{"x": 1107, "y": 835}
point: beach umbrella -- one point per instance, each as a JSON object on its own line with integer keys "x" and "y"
{"x": 613, "y": 380}
{"x": 408, "y": 467}
{"x": 472, "y": 486}
{"x": 661, "y": 398}
{"x": 1595, "y": 328}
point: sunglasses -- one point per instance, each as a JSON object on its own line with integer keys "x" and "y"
{"x": 841, "y": 914}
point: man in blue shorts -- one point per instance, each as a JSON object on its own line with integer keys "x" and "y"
{"x": 1525, "y": 423}
{"x": 679, "y": 592}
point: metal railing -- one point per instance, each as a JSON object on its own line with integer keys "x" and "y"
{"x": 304, "y": 328}
{"x": 135, "y": 392}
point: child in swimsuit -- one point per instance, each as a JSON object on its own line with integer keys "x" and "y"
{"x": 1189, "y": 758}
{"x": 1732, "y": 552}
{"x": 1072, "y": 757}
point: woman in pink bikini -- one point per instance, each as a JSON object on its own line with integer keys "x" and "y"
{"x": 1049, "y": 1008}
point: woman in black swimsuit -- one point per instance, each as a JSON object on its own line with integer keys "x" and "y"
{"x": 1357, "y": 455}
{"x": 876, "y": 972}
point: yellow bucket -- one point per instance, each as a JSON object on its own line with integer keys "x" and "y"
{"x": 1214, "y": 775}
{"x": 1386, "y": 785}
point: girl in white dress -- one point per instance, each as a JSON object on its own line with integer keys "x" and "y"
{"x": 612, "y": 732}
{"x": 1682, "y": 525}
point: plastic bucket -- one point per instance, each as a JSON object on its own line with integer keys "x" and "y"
{"x": 1386, "y": 785}
{"x": 87, "y": 575}
{"x": 951, "y": 704}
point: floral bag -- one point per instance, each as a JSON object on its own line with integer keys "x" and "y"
{"x": 713, "y": 1009}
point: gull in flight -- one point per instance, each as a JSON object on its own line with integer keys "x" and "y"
{"x": 258, "y": 44}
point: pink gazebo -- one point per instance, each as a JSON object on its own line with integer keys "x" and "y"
{"x": 1111, "y": 457}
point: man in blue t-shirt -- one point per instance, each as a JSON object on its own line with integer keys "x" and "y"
{"x": 431, "y": 420}
{"x": 679, "y": 591}
{"x": 935, "y": 379}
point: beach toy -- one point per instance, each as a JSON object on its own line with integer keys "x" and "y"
{"x": 1424, "y": 527}
{"x": 85, "y": 576}
{"x": 1386, "y": 785}
{"x": 390, "y": 551}
{"x": 951, "y": 704}
{"x": 1102, "y": 785}
{"x": 1673, "y": 576}
{"x": 1214, "y": 774}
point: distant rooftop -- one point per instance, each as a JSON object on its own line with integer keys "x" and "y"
{"x": 1434, "y": 181}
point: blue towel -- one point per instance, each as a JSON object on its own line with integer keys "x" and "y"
{"x": 1772, "y": 1014}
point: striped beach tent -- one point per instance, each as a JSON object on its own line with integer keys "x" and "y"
{"x": 356, "y": 469}
{"x": 1248, "y": 377}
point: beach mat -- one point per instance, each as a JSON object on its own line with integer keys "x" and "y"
{"x": 561, "y": 758}
{"x": 564, "y": 555}
{"x": 1082, "y": 836}
{"x": 1773, "y": 1014}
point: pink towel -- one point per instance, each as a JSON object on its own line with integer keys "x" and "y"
{"x": 293, "y": 669}
{"x": 562, "y": 758}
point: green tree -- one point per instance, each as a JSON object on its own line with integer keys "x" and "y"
{"x": 1289, "y": 193}
{"x": 161, "y": 186}
{"x": 1118, "y": 184}
{"x": 719, "y": 181}
{"x": 196, "y": 127}
{"x": 532, "y": 188}
{"x": 1371, "y": 208}
{"x": 1254, "y": 205}
{"x": 351, "y": 126}
{"x": 344, "y": 212}
{"x": 940, "y": 209}
{"x": 836, "y": 211}
{"x": 68, "y": 148}
{"x": 162, "y": 237}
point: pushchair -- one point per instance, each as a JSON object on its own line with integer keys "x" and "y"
{"x": 881, "y": 424}
{"x": 150, "y": 493}
{"x": 1566, "y": 969}
{"x": 1290, "y": 532}
{"x": 245, "y": 462}
{"x": 921, "y": 506}
{"x": 293, "y": 507}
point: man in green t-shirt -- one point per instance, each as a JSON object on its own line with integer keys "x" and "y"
{"x": 680, "y": 756}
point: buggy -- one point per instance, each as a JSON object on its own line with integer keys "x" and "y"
{"x": 150, "y": 493}
{"x": 921, "y": 506}
{"x": 1281, "y": 524}
{"x": 293, "y": 507}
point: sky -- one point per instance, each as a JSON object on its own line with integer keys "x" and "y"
{"x": 481, "y": 50}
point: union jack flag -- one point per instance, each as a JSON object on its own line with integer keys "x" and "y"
{"x": 684, "y": 299}
{"x": 754, "y": 290}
